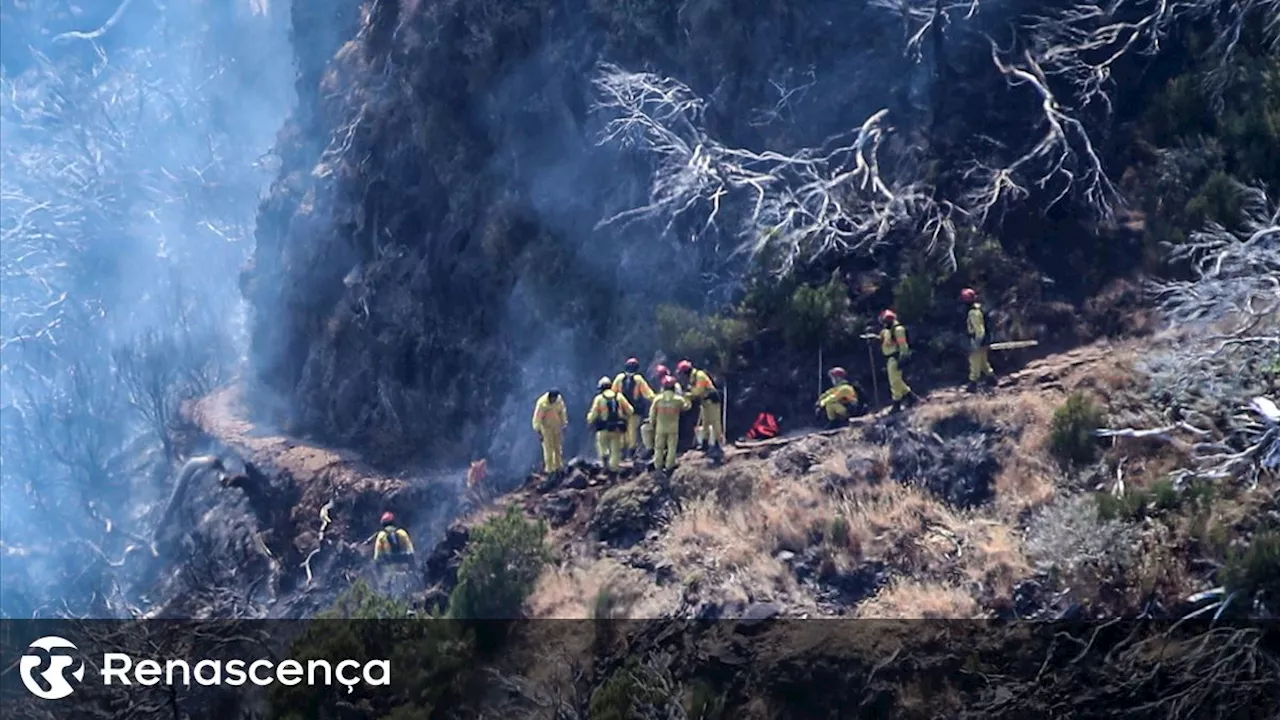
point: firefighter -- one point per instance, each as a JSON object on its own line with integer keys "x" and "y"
{"x": 392, "y": 543}
{"x": 979, "y": 342}
{"x": 550, "y": 418}
{"x": 764, "y": 428}
{"x": 893, "y": 344}
{"x": 608, "y": 417}
{"x": 665, "y": 416}
{"x": 704, "y": 394}
{"x": 840, "y": 400}
{"x": 630, "y": 384}
{"x": 646, "y": 427}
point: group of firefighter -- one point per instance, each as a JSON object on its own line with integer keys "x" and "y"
{"x": 632, "y": 420}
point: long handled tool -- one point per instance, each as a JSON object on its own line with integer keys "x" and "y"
{"x": 871, "y": 357}
{"x": 1014, "y": 345}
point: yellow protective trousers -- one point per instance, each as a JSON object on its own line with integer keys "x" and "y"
{"x": 712, "y": 423}
{"x": 552, "y": 447}
{"x": 664, "y": 449}
{"x": 980, "y": 364}
{"x": 646, "y": 434}
{"x": 898, "y": 386}
{"x": 837, "y": 411}
{"x": 633, "y": 431}
{"x": 609, "y": 445}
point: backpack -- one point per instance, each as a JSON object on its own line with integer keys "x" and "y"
{"x": 629, "y": 392}
{"x": 612, "y": 419}
{"x": 393, "y": 539}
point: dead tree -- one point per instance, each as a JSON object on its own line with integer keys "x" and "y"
{"x": 1204, "y": 389}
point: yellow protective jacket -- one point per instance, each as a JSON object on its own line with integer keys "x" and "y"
{"x": 842, "y": 394}
{"x": 976, "y": 324}
{"x": 700, "y": 385}
{"x": 893, "y": 341}
{"x": 665, "y": 413}
{"x": 640, "y": 390}
{"x": 598, "y": 415}
{"x": 382, "y": 545}
{"x": 549, "y": 415}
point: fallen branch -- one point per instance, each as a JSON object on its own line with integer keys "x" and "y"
{"x": 94, "y": 35}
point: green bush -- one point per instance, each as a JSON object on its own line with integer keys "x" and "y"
{"x": 1254, "y": 572}
{"x": 627, "y": 692}
{"x": 1161, "y": 497}
{"x": 913, "y": 297}
{"x": 816, "y": 313}
{"x": 1071, "y": 438}
{"x": 702, "y": 702}
{"x": 432, "y": 661}
{"x": 1219, "y": 201}
{"x": 839, "y": 532}
{"x": 499, "y": 567}
{"x": 715, "y": 339}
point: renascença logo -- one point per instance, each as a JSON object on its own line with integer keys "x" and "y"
{"x": 55, "y": 676}
{"x": 123, "y": 669}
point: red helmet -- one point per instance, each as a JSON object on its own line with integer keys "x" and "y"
{"x": 837, "y": 372}
{"x": 684, "y": 367}
{"x": 888, "y": 316}
{"x": 633, "y": 365}
{"x": 668, "y": 382}
{"x": 388, "y": 518}
{"x": 968, "y": 295}
{"x": 662, "y": 371}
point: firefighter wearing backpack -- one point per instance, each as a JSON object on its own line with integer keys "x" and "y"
{"x": 665, "y": 417}
{"x": 703, "y": 393}
{"x": 646, "y": 427}
{"x": 631, "y": 385}
{"x": 979, "y": 342}
{"x": 840, "y": 400}
{"x": 608, "y": 417}
{"x": 894, "y": 347}
{"x": 550, "y": 418}
{"x": 393, "y": 543}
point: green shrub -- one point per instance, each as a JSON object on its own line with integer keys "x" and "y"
{"x": 627, "y": 692}
{"x": 1161, "y": 497}
{"x": 362, "y": 602}
{"x": 1071, "y": 438}
{"x": 1254, "y": 572}
{"x": 702, "y": 702}
{"x": 715, "y": 339}
{"x": 499, "y": 567}
{"x": 433, "y": 661}
{"x": 815, "y": 313}
{"x": 1219, "y": 201}
{"x": 1130, "y": 505}
{"x": 838, "y": 532}
{"x": 913, "y": 297}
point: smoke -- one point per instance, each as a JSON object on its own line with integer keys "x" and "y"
{"x": 132, "y": 157}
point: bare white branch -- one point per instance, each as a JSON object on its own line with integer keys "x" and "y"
{"x": 921, "y": 17}
{"x": 799, "y": 206}
{"x": 1063, "y": 160}
{"x": 1228, "y": 316}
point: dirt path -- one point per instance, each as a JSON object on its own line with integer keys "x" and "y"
{"x": 1044, "y": 376}
{"x": 320, "y": 474}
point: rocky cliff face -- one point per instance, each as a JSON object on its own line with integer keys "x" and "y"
{"x": 429, "y": 258}
{"x": 419, "y": 278}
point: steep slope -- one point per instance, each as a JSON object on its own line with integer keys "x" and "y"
{"x": 921, "y": 515}
{"x": 937, "y": 512}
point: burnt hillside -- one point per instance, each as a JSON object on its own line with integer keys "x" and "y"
{"x": 429, "y": 257}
